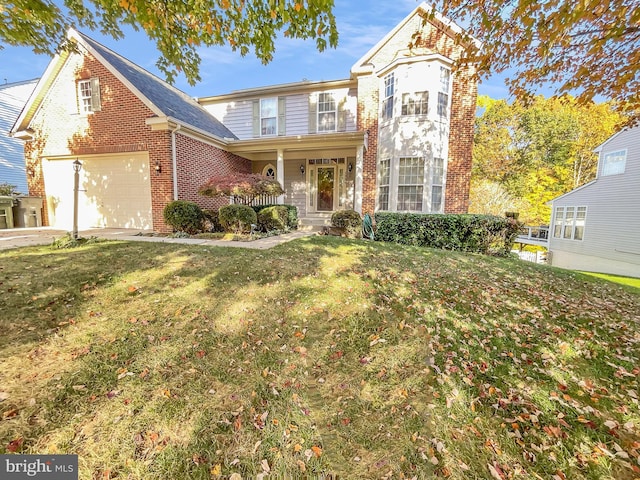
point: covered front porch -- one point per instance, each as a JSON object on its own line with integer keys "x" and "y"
{"x": 320, "y": 174}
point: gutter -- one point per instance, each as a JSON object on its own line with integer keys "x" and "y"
{"x": 174, "y": 161}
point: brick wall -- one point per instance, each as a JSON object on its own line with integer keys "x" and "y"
{"x": 197, "y": 162}
{"x": 368, "y": 122}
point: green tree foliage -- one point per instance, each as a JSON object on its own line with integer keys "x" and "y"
{"x": 530, "y": 154}
{"x": 177, "y": 27}
{"x": 589, "y": 48}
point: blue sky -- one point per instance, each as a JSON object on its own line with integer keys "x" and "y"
{"x": 361, "y": 24}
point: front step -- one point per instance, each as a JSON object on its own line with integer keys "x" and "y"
{"x": 316, "y": 220}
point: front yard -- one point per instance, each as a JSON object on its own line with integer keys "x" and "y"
{"x": 321, "y": 356}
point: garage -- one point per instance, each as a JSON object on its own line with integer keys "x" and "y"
{"x": 114, "y": 192}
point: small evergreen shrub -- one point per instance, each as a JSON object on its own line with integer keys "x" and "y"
{"x": 486, "y": 234}
{"x": 237, "y": 218}
{"x": 184, "y": 216}
{"x": 211, "y": 221}
{"x": 349, "y": 221}
{"x": 292, "y": 219}
{"x": 273, "y": 218}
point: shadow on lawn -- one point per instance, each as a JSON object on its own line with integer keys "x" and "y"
{"x": 369, "y": 351}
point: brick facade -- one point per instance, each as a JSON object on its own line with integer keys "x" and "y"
{"x": 197, "y": 162}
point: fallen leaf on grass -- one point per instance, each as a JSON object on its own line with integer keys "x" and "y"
{"x": 265, "y": 466}
{"x": 317, "y": 451}
{"x": 216, "y": 470}
{"x": 14, "y": 445}
{"x": 10, "y": 414}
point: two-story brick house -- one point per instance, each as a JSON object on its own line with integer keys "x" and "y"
{"x": 396, "y": 135}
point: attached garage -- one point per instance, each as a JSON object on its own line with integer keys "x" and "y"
{"x": 114, "y": 192}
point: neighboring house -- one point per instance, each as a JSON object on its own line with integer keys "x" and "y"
{"x": 396, "y": 136}
{"x": 13, "y": 96}
{"x": 596, "y": 227}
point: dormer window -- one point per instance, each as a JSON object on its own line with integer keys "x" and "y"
{"x": 89, "y": 95}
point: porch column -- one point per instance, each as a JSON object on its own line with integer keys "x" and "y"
{"x": 280, "y": 172}
{"x": 357, "y": 197}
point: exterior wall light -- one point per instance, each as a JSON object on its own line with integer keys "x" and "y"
{"x": 157, "y": 168}
{"x": 301, "y": 169}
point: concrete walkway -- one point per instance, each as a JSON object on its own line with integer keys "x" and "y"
{"x": 27, "y": 237}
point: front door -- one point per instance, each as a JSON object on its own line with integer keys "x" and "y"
{"x": 326, "y": 188}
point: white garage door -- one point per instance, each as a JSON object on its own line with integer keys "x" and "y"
{"x": 115, "y": 191}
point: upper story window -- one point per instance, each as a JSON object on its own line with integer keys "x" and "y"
{"x": 613, "y": 163}
{"x": 389, "y": 91}
{"x": 443, "y": 94}
{"x": 89, "y": 95}
{"x": 415, "y": 103}
{"x": 269, "y": 116}
{"x": 326, "y": 113}
{"x": 569, "y": 223}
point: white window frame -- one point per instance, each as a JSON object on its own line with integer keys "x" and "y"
{"x": 416, "y": 103}
{"x": 274, "y": 117}
{"x": 443, "y": 93}
{"x": 384, "y": 182}
{"x": 570, "y": 223}
{"x": 437, "y": 184}
{"x": 265, "y": 171}
{"x": 614, "y": 163}
{"x": 389, "y": 92}
{"x": 326, "y": 99}
{"x": 418, "y": 185}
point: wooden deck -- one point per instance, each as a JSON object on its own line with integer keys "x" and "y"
{"x": 533, "y": 236}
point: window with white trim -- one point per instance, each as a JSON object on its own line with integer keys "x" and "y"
{"x": 437, "y": 179}
{"x": 410, "y": 184}
{"x": 613, "y": 163}
{"x": 415, "y": 103}
{"x": 89, "y": 95}
{"x": 443, "y": 94}
{"x": 389, "y": 91}
{"x": 326, "y": 113}
{"x": 570, "y": 223}
{"x": 384, "y": 171}
{"x": 268, "y": 116}
{"x": 269, "y": 171}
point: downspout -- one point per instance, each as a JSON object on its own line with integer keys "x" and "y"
{"x": 174, "y": 161}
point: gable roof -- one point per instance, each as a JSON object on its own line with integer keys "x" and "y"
{"x": 163, "y": 99}
{"x": 363, "y": 65}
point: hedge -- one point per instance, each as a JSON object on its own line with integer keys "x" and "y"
{"x": 273, "y": 218}
{"x": 184, "y": 216}
{"x": 348, "y": 220}
{"x": 486, "y": 234}
{"x": 237, "y": 218}
{"x": 292, "y": 220}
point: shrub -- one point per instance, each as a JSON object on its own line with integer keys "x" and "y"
{"x": 237, "y": 218}
{"x": 184, "y": 216}
{"x": 292, "y": 219}
{"x": 211, "y": 221}
{"x": 349, "y": 221}
{"x": 273, "y": 218}
{"x": 486, "y": 234}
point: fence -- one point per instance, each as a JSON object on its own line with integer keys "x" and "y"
{"x": 534, "y": 257}
{"x": 256, "y": 201}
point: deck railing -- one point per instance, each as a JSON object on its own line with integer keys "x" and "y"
{"x": 538, "y": 234}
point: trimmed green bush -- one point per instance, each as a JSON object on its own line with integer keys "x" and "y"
{"x": 184, "y": 216}
{"x": 486, "y": 234}
{"x": 292, "y": 219}
{"x": 273, "y": 218}
{"x": 237, "y": 218}
{"x": 348, "y": 220}
{"x": 211, "y": 221}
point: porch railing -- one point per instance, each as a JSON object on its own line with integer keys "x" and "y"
{"x": 260, "y": 200}
{"x": 536, "y": 234}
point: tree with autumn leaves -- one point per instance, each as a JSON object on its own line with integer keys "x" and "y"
{"x": 527, "y": 154}
{"x": 244, "y": 187}
{"x": 178, "y": 28}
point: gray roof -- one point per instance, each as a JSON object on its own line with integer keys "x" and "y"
{"x": 13, "y": 97}
{"x": 168, "y": 99}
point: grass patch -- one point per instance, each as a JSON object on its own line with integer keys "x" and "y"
{"x": 627, "y": 281}
{"x": 320, "y": 356}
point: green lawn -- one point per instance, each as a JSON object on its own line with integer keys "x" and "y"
{"x": 321, "y": 356}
